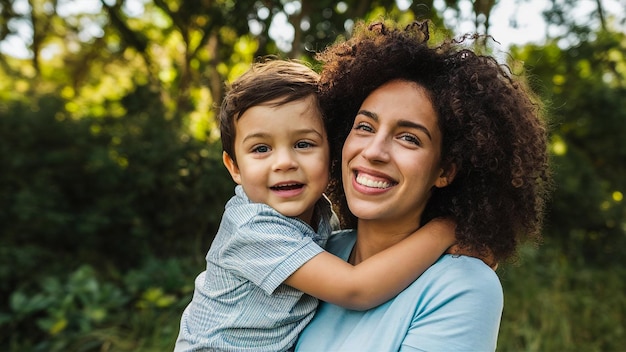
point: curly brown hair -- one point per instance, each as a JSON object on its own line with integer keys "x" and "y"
{"x": 492, "y": 127}
{"x": 269, "y": 79}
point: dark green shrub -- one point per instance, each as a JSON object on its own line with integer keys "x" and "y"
{"x": 61, "y": 311}
{"x": 84, "y": 311}
{"x": 108, "y": 192}
{"x": 553, "y": 303}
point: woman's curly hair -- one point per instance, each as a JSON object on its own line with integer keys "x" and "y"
{"x": 492, "y": 127}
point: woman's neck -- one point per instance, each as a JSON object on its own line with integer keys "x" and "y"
{"x": 374, "y": 237}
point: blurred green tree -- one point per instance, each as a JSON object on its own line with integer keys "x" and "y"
{"x": 110, "y": 155}
{"x": 100, "y": 50}
{"x": 582, "y": 75}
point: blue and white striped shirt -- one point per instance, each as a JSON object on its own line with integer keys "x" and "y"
{"x": 240, "y": 303}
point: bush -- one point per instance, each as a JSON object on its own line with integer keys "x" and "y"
{"x": 105, "y": 192}
{"x": 83, "y": 311}
{"x": 554, "y": 304}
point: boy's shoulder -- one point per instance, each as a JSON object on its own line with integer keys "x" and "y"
{"x": 241, "y": 203}
{"x": 241, "y": 206}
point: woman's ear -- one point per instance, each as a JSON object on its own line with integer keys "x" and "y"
{"x": 231, "y": 165}
{"x": 447, "y": 176}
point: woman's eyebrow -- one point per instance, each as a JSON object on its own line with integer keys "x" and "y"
{"x": 411, "y": 124}
{"x": 369, "y": 114}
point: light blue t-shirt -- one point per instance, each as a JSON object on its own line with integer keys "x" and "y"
{"x": 239, "y": 302}
{"x": 456, "y": 305}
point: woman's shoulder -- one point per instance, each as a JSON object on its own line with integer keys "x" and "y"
{"x": 464, "y": 264}
{"x": 459, "y": 301}
{"x": 454, "y": 273}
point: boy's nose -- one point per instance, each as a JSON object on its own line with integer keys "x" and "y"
{"x": 284, "y": 160}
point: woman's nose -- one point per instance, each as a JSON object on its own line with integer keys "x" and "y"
{"x": 377, "y": 150}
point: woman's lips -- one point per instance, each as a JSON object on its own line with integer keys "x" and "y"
{"x": 372, "y": 183}
{"x": 367, "y": 181}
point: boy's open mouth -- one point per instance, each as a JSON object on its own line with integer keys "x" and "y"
{"x": 287, "y": 187}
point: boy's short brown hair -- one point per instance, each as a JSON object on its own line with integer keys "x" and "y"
{"x": 275, "y": 80}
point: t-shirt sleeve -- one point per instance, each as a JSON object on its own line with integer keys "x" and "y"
{"x": 267, "y": 249}
{"x": 458, "y": 314}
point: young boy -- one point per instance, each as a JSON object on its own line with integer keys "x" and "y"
{"x": 266, "y": 268}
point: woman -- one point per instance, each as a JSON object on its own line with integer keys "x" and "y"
{"x": 428, "y": 131}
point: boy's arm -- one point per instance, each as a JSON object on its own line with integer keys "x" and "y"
{"x": 380, "y": 277}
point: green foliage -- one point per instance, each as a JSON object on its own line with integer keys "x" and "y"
{"x": 585, "y": 86}
{"x": 107, "y": 192}
{"x": 60, "y": 312}
{"x": 85, "y": 312}
{"x": 112, "y": 183}
{"x": 553, "y": 304}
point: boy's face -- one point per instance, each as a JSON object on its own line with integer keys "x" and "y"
{"x": 282, "y": 156}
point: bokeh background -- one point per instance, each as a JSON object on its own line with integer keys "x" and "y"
{"x": 111, "y": 182}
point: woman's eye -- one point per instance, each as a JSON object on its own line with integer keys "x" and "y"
{"x": 261, "y": 149}
{"x": 363, "y": 127}
{"x": 304, "y": 144}
{"x": 411, "y": 139}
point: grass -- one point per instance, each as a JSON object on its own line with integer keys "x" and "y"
{"x": 551, "y": 305}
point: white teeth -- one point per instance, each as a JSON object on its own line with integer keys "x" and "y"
{"x": 363, "y": 180}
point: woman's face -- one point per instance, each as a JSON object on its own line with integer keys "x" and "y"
{"x": 391, "y": 158}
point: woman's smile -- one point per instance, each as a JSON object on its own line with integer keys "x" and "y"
{"x": 372, "y": 182}
{"x": 391, "y": 156}
{"x": 368, "y": 181}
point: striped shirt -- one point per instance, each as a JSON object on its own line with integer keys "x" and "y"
{"x": 240, "y": 303}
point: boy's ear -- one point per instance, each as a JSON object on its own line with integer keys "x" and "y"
{"x": 447, "y": 176}
{"x": 231, "y": 165}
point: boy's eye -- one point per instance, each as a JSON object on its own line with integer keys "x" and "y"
{"x": 260, "y": 149}
{"x": 303, "y": 144}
